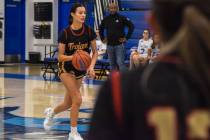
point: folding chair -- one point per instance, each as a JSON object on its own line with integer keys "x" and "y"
{"x": 50, "y": 66}
{"x": 102, "y": 65}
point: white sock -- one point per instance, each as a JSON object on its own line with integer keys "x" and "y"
{"x": 74, "y": 130}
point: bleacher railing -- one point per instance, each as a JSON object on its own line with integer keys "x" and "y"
{"x": 100, "y": 8}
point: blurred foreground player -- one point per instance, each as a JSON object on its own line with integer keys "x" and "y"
{"x": 169, "y": 99}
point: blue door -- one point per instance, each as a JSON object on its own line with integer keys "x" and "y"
{"x": 15, "y": 28}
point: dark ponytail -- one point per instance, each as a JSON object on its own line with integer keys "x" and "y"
{"x": 192, "y": 44}
{"x": 194, "y": 48}
{"x": 185, "y": 29}
{"x": 73, "y": 10}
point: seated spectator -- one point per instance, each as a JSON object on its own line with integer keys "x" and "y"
{"x": 155, "y": 51}
{"x": 140, "y": 56}
{"x": 101, "y": 47}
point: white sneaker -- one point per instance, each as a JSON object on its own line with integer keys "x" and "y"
{"x": 48, "y": 122}
{"x": 75, "y": 136}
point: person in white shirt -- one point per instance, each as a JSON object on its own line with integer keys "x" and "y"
{"x": 101, "y": 47}
{"x": 140, "y": 56}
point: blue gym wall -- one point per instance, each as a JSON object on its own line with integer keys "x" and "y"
{"x": 15, "y": 28}
{"x": 64, "y": 8}
{"x": 136, "y": 11}
{"x": 15, "y": 23}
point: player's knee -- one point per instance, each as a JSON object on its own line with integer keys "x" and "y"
{"x": 67, "y": 105}
{"x": 77, "y": 101}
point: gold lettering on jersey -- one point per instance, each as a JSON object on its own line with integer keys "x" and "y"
{"x": 164, "y": 121}
{"x": 199, "y": 125}
{"x": 73, "y": 46}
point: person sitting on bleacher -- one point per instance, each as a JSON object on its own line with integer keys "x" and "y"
{"x": 155, "y": 51}
{"x": 140, "y": 56}
{"x": 101, "y": 47}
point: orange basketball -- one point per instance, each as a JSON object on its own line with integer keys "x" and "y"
{"x": 81, "y": 60}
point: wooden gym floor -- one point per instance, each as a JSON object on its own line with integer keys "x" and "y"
{"x": 23, "y": 97}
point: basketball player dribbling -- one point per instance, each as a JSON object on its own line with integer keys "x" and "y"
{"x": 77, "y": 36}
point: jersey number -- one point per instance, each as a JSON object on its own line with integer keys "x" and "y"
{"x": 163, "y": 120}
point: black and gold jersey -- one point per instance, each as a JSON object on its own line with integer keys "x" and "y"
{"x": 77, "y": 39}
{"x": 162, "y": 101}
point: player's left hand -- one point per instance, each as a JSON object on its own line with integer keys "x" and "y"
{"x": 91, "y": 72}
{"x": 122, "y": 40}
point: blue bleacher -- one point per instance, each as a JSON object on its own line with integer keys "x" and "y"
{"x": 136, "y": 11}
{"x": 139, "y": 20}
{"x": 135, "y": 4}
{"x": 138, "y": 17}
{"x": 131, "y": 43}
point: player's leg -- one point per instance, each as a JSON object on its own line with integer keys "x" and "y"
{"x": 50, "y": 112}
{"x": 73, "y": 86}
{"x": 66, "y": 104}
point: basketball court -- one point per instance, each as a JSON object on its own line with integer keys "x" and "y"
{"x": 28, "y": 49}
{"x": 24, "y": 95}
